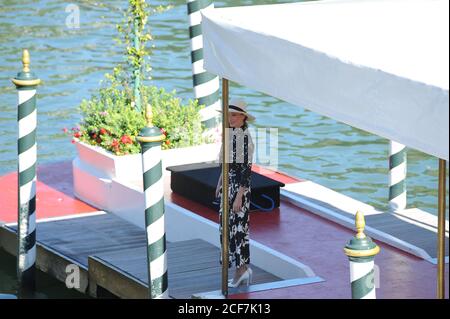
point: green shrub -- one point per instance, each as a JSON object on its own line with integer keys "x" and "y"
{"x": 108, "y": 120}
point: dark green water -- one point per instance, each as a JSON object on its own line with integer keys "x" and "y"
{"x": 46, "y": 286}
{"x": 71, "y": 63}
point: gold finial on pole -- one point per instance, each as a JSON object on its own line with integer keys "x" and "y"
{"x": 360, "y": 224}
{"x": 26, "y": 61}
{"x": 149, "y": 115}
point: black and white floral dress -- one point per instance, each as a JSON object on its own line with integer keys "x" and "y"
{"x": 240, "y": 164}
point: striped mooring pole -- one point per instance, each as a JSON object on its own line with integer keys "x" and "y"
{"x": 26, "y": 83}
{"x": 150, "y": 139}
{"x": 397, "y": 176}
{"x": 361, "y": 251}
{"x": 206, "y": 85}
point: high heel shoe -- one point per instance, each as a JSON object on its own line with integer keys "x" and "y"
{"x": 245, "y": 277}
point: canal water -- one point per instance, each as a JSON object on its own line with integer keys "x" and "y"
{"x": 46, "y": 286}
{"x": 71, "y": 63}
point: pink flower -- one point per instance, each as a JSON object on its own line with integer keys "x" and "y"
{"x": 64, "y": 130}
{"x": 104, "y": 113}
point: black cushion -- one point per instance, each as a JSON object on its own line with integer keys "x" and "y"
{"x": 198, "y": 182}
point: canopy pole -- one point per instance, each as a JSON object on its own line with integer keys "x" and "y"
{"x": 441, "y": 230}
{"x": 225, "y": 204}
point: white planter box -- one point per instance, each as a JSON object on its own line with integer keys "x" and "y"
{"x": 100, "y": 176}
{"x": 108, "y": 164}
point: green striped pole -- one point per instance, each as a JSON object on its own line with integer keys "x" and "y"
{"x": 361, "y": 251}
{"x": 397, "y": 176}
{"x": 150, "y": 139}
{"x": 206, "y": 85}
{"x": 26, "y": 84}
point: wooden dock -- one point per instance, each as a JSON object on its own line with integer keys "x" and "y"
{"x": 111, "y": 254}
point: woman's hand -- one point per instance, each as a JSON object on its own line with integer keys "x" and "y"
{"x": 237, "y": 204}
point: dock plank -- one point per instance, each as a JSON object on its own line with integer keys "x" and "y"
{"x": 194, "y": 264}
{"x": 188, "y": 274}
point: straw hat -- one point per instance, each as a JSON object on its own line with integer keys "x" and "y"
{"x": 239, "y": 106}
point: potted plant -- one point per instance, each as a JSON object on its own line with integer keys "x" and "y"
{"x": 107, "y": 149}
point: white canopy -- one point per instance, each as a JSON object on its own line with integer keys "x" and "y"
{"x": 381, "y": 66}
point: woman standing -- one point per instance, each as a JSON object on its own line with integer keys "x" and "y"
{"x": 239, "y": 182}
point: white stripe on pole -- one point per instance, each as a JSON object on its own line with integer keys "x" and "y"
{"x": 197, "y": 66}
{"x": 27, "y": 158}
{"x": 159, "y": 266}
{"x": 358, "y": 270}
{"x": 154, "y": 193}
{"x": 397, "y": 174}
{"x": 27, "y": 191}
{"x": 25, "y": 95}
{"x": 195, "y": 18}
{"x": 370, "y": 295}
{"x": 207, "y": 88}
{"x": 197, "y": 43}
{"x": 155, "y": 231}
{"x": 28, "y": 124}
{"x": 396, "y": 147}
{"x": 27, "y": 260}
{"x": 152, "y": 157}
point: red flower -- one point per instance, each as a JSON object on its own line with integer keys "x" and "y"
{"x": 77, "y": 135}
{"x": 126, "y": 139}
{"x": 102, "y": 131}
{"x": 115, "y": 143}
{"x": 98, "y": 139}
{"x": 167, "y": 142}
{"x": 73, "y": 141}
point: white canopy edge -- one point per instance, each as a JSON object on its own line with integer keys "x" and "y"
{"x": 380, "y": 66}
